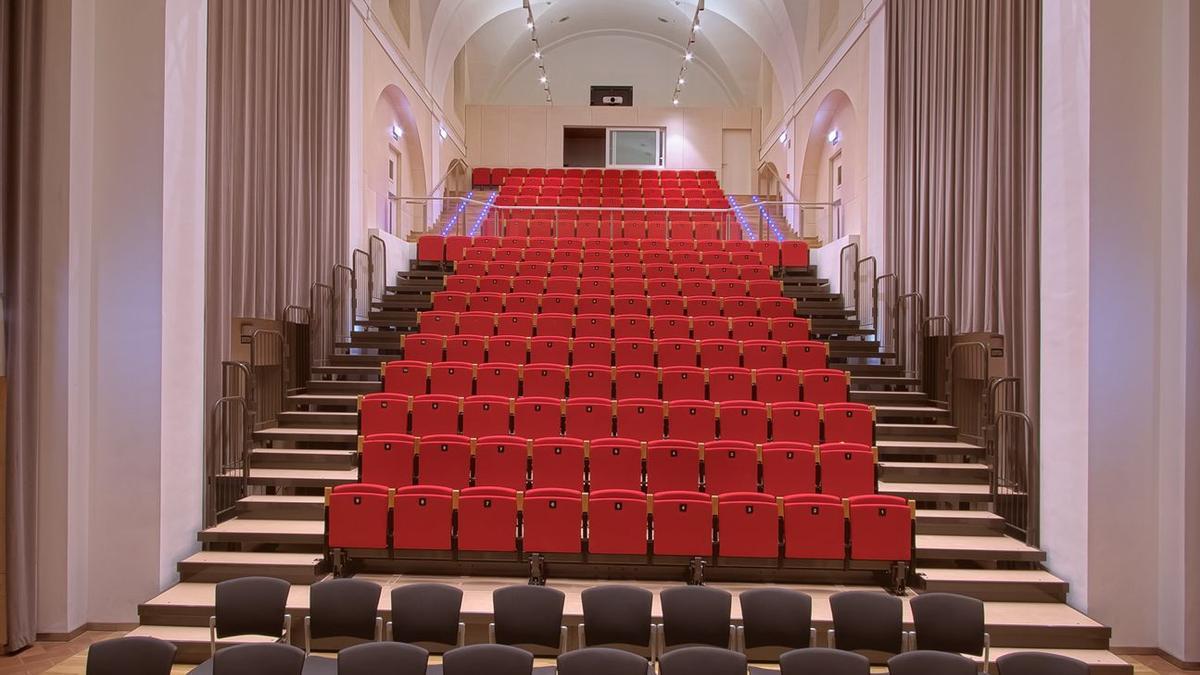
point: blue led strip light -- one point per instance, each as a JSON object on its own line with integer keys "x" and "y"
{"x": 457, "y": 212}
{"x": 741, "y": 217}
{"x": 770, "y": 221}
{"x": 487, "y": 206}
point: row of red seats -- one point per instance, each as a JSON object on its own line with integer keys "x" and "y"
{"x": 635, "y": 188}
{"x": 604, "y": 210}
{"x": 702, "y": 207}
{"x": 589, "y": 418}
{"x": 453, "y": 248}
{"x": 649, "y": 180}
{"x": 538, "y": 284}
{"x": 607, "y": 228}
{"x": 624, "y": 270}
{"x": 526, "y": 253}
{"x": 716, "y": 467}
{"x": 496, "y": 176}
{"x": 463, "y": 378}
{"x": 363, "y": 517}
{"x": 696, "y": 304}
{"x": 677, "y": 327}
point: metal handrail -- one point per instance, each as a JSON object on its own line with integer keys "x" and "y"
{"x": 454, "y": 163}
{"x": 261, "y": 411}
{"x": 858, "y": 308}
{"x": 952, "y": 406}
{"x": 355, "y": 256}
{"x": 372, "y": 267}
{"x": 321, "y": 325}
{"x": 783, "y": 183}
{"x": 1032, "y": 483}
{"x": 881, "y": 331}
{"x": 847, "y": 301}
{"x": 903, "y": 347}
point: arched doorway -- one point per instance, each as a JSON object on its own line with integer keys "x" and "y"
{"x": 829, "y": 169}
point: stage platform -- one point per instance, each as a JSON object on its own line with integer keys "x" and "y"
{"x": 181, "y": 614}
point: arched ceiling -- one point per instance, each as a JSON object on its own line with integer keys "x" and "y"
{"x": 735, "y": 35}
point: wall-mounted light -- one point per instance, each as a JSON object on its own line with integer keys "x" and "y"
{"x": 783, "y": 138}
{"x": 543, "y": 79}
{"x": 537, "y": 54}
{"x": 682, "y": 81}
{"x": 834, "y": 136}
{"x": 443, "y": 133}
{"x": 397, "y": 132}
{"x": 675, "y": 101}
{"x": 688, "y": 56}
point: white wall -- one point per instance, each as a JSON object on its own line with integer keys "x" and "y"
{"x": 1120, "y": 289}
{"x": 533, "y": 135}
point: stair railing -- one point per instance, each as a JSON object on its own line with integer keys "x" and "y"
{"x": 884, "y": 291}
{"x": 910, "y": 308}
{"x": 297, "y": 338}
{"x": 1014, "y": 461}
{"x": 966, "y": 387}
{"x": 865, "y": 270}
{"x": 360, "y": 264}
{"x": 848, "y": 275}
{"x": 267, "y": 396}
{"x": 343, "y": 309}
{"x": 377, "y": 274}
{"x": 227, "y": 446}
{"x": 321, "y": 325}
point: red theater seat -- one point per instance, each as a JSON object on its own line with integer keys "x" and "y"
{"x": 591, "y": 381}
{"x": 789, "y": 468}
{"x": 387, "y": 459}
{"x": 423, "y": 347}
{"x": 558, "y": 462}
{"x": 502, "y": 461}
{"x": 814, "y": 527}
{"x": 676, "y": 352}
{"x": 776, "y": 307}
{"x": 466, "y": 348}
{"x": 710, "y": 328}
{"x": 634, "y": 352}
{"x": 615, "y": 464}
{"x": 848, "y": 423}
{"x": 549, "y": 350}
{"x": 553, "y": 520}
{"x": 405, "y": 377}
{"x": 682, "y": 524}
{"x": 759, "y": 354}
{"x": 730, "y": 466}
{"x": 617, "y": 522}
{"x": 683, "y": 382}
{"x": 672, "y": 328}
{"x": 516, "y": 324}
{"x": 730, "y": 384}
{"x": 747, "y": 525}
{"x": 448, "y": 380}
{"x": 672, "y": 464}
{"x": 692, "y": 420}
{"x": 554, "y": 325}
{"x": 787, "y": 329}
{"x": 795, "y": 421}
{"x": 475, "y": 323}
{"x": 744, "y": 421}
{"x": 807, "y": 354}
{"x": 589, "y": 418}
{"x": 485, "y": 416}
{"x": 630, "y": 326}
{"x": 450, "y": 301}
{"x": 508, "y": 349}
{"x": 423, "y": 518}
{"x": 383, "y": 413}
{"x": 847, "y": 469}
{"x": 776, "y": 385}
{"x": 537, "y": 417}
{"x": 437, "y": 323}
{"x": 826, "y": 386}
{"x": 357, "y": 516}
{"x": 498, "y": 379}
{"x": 594, "y": 326}
{"x": 444, "y": 459}
{"x": 431, "y": 248}
{"x": 592, "y": 352}
{"x": 487, "y": 519}
{"x": 794, "y": 254}
{"x": 718, "y": 353}
{"x": 544, "y": 380}
{"x": 881, "y": 528}
{"x": 636, "y": 382}
{"x": 640, "y": 419}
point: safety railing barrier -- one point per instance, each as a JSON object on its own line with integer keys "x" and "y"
{"x": 884, "y": 291}
{"x": 297, "y": 338}
{"x": 360, "y": 264}
{"x": 343, "y": 307}
{"x": 966, "y": 387}
{"x": 377, "y": 273}
{"x": 1014, "y": 461}
{"x": 267, "y": 395}
{"x": 227, "y": 443}
{"x": 321, "y": 324}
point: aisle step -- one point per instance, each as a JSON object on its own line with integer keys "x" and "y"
{"x": 933, "y": 472}
{"x": 995, "y": 584}
{"x": 249, "y": 531}
{"x": 939, "y": 548}
{"x": 937, "y": 492}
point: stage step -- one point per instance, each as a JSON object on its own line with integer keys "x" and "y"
{"x": 282, "y": 507}
{"x": 909, "y": 431}
{"x": 941, "y": 548}
{"x": 937, "y": 492}
{"x": 251, "y": 531}
{"x": 302, "y": 458}
{"x": 989, "y": 584}
{"x": 214, "y": 566}
{"x": 878, "y": 398}
{"x": 907, "y": 412}
{"x": 321, "y": 419}
{"x": 946, "y": 521}
{"x": 933, "y": 472}
{"x": 939, "y": 448}
{"x": 298, "y": 478}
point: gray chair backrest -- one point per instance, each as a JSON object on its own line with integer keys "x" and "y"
{"x": 601, "y": 661}
{"x": 382, "y": 658}
{"x": 426, "y": 613}
{"x": 1039, "y": 663}
{"x": 948, "y": 622}
{"x": 702, "y": 660}
{"x": 776, "y": 617}
{"x": 270, "y": 658}
{"x": 131, "y": 656}
{"x": 490, "y": 659}
{"x": 696, "y": 615}
{"x": 867, "y": 620}
{"x": 251, "y": 606}
{"x": 925, "y": 662}
{"x": 528, "y": 615}
{"x": 344, "y": 608}
{"x": 617, "y": 615}
{"x": 822, "y": 661}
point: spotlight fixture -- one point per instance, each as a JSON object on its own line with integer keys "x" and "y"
{"x": 833, "y": 137}
{"x": 688, "y": 53}
{"x": 537, "y": 50}
{"x": 443, "y": 133}
{"x": 397, "y": 132}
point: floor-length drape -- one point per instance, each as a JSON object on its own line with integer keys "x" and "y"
{"x": 276, "y": 177}
{"x": 963, "y": 165}
{"x": 22, "y": 41}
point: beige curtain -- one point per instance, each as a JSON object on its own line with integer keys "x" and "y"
{"x": 277, "y": 94}
{"x": 963, "y": 153}
{"x": 22, "y": 41}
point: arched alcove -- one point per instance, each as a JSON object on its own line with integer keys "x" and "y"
{"x": 827, "y": 168}
{"x": 393, "y": 161}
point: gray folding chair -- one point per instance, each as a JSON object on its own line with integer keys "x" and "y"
{"x": 948, "y": 622}
{"x": 489, "y": 659}
{"x": 1039, "y": 663}
{"x": 618, "y": 615}
{"x": 867, "y": 620}
{"x": 343, "y": 608}
{"x": 427, "y": 614}
{"x": 528, "y": 615}
{"x": 250, "y": 606}
{"x": 267, "y": 658}
{"x": 695, "y": 615}
{"x": 602, "y": 661}
{"x": 823, "y": 661}
{"x": 382, "y": 658}
{"x": 702, "y": 660}
{"x": 778, "y": 619}
{"x": 923, "y": 662}
{"x": 131, "y": 656}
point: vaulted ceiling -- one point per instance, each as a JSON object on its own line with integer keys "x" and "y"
{"x": 736, "y": 35}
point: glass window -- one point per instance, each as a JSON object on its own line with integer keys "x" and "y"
{"x": 635, "y": 147}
